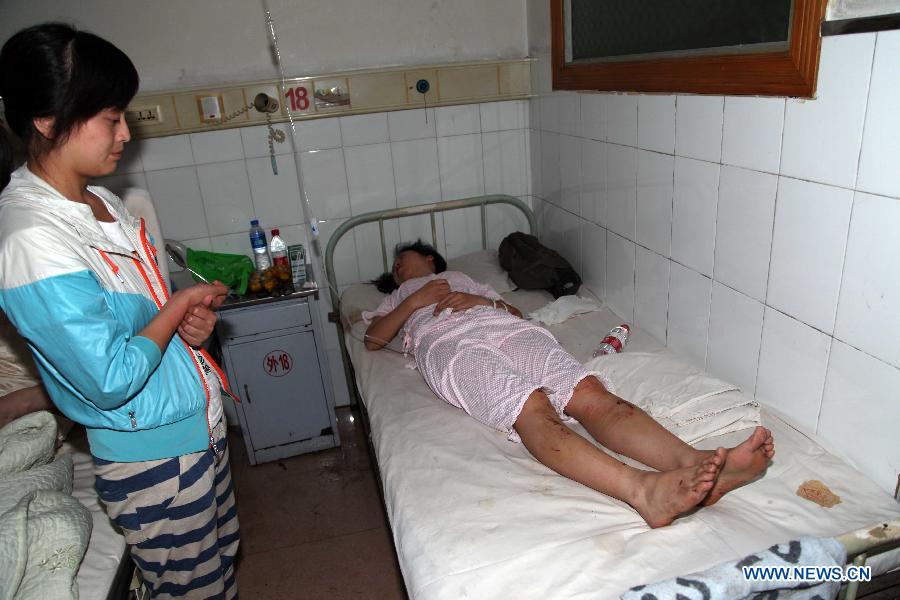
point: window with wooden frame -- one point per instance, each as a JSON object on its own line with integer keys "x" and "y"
{"x": 776, "y": 55}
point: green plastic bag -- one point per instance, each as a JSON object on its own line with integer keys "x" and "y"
{"x": 233, "y": 270}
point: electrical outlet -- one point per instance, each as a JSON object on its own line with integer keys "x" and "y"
{"x": 143, "y": 114}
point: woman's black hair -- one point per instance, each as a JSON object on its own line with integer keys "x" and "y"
{"x": 385, "y": 282}
{"x": 52, "y": 70}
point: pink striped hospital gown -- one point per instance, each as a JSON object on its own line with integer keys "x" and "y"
{"x": 484, "y": 360}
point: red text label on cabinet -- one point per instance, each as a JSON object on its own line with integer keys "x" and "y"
{"x": 278, "y": 363}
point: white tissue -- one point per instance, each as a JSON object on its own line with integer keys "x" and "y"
{"x": 564, "y": 308}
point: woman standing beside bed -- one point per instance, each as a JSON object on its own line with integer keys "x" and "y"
{"x": 477, "y": 353}
{"x": 79, "y": 280}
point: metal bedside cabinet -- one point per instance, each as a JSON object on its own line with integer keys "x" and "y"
{"x": 276, "y": 363}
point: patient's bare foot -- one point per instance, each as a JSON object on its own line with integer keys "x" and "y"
{"x": 665, "y": 495}
{"x": 743, "y": 463}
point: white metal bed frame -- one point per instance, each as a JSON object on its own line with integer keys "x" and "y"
{"x": 860, "y": 544}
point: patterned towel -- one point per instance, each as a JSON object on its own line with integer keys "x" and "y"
{"x": 564, "y": 308}
{"x": 727, "y": 581}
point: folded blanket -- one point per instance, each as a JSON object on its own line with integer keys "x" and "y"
{"x": 683, "y": 399}
{"x": 28, "y": 441}
{"x": 44, "y": 537}
{"x": 779, "y": 566}
{"x": 45, "y": 531}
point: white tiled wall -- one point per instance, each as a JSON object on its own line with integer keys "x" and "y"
{"x": 207, "y": 186}
{"x": 758, "y": 237}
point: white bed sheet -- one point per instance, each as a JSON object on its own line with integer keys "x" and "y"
{"x": 107, "y": 546}
{"x": 475, "y": 516}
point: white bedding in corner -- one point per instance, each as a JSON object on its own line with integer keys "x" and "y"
{"x": 107, "y": 546}
{"x": 688, "y": 402}
{"x": 475, "y": 516}
{"x": 44, "y": 531}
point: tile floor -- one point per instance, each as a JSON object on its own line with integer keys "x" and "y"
{"x": 312, "y": 526}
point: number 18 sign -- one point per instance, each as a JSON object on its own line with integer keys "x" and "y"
{"x": 300, "y": 96}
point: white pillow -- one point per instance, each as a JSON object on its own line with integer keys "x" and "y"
{"x": 483, "y": 266}
{"x": 357, "y": 298}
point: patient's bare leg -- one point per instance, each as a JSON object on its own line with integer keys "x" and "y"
{"x": 626, "y": 429}
{"x": 658, "y": 497}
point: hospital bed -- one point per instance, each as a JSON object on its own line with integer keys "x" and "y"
{"x": 58, "y": 541}
{"x": 475, "y": 516}
{"x": 106, "y": 571}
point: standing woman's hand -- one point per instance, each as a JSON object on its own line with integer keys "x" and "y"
{"x": 207, "y": 294}
{"x": 199, "y": 319}
{"x": 198, "y": 324}
{"x": 181, "y": 304}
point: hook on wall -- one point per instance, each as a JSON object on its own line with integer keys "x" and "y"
{"x": 422, "y": 86}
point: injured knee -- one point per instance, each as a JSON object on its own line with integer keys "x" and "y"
{"x": 538, "y": 412}
{"x": 590, "y": 384}
{"x": 602, "y": 408}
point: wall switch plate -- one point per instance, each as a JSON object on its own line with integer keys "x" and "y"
{"x": 210, "y": 108}
{"x": 143, "y": 114}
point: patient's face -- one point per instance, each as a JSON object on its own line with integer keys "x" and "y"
{"x": 410, "y": 264}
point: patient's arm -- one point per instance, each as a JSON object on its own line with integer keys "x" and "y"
{"x": 383, "y": 329}
{"x": 22, "y": 402}
{"x": 456, "y": 301}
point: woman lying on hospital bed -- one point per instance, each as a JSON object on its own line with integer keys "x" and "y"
{"x": 477, "y": 353}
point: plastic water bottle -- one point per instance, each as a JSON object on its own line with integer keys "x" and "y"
{"x": 614, "y": 341}
{"x": 260, "y": 251}
{"x": 278, "y": 249}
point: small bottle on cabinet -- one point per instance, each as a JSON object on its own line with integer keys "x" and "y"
{"x": 614, "y": 341}
{"x": 260, "y": 250}
{"x": 278, "y": 249}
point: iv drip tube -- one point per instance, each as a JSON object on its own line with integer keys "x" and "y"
{"x": 304, "y": 199}
{"x": 317, "y": 254}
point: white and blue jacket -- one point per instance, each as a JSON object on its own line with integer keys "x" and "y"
{"x": 80, "y": 301}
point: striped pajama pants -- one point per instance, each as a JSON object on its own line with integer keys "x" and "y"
{"x": 179, "y": 519}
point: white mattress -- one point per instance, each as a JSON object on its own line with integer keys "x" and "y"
{"x": 475, "y": 516}
{"x": 107, "y": 546}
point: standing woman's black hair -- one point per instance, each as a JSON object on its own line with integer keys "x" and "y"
{"x": 52, "y": 70}
{"x": 7, "y": 156}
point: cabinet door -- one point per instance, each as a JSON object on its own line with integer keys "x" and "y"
{"x": 281, "y": 389}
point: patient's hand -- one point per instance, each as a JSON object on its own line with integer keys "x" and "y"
{"x": 430, "y": 293}
{"x": 460, "y": 301}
